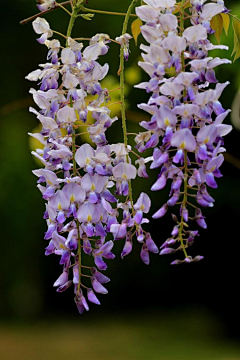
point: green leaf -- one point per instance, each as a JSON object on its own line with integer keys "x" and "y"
{"x": 187, "y": 4}
{"x": 135, "y": 27}
{"x": 87, "y": 16}
{"x": 178, "y": 6}
{"x": 226, "y": 22}
{"x": 236, "y": 31}
{"x": 217, "y": 26}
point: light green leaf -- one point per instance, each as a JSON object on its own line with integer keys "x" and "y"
{"x": 226, "y": 22}
{"x": 135, "y": 27}
{"x": 178, "y": 6}
{"x": 87, "y": 16}
{"x": 187, "y": 4}
{"x": 236, "y": 31}
{"x": 217, "y": 26}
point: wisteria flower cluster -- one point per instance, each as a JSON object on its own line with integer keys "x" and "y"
{"x": 87, "y": 186}
{"x": 82, "y": 184}
{"x": 186, "y": 129}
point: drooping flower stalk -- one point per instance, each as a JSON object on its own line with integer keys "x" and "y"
{"x": 133, "y": 214}
{"x": 186, "y": 130}
{"x": 83, "y": 199}
{"x": 122, "y": 90}
{"x": 81, "y": 183}
{"x": 69, "y": 33}
{"x": 185, "y": 181}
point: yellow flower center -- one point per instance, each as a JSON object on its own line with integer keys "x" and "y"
{"x": 89, "y": 218}
{"x": 166, "y": 121}
{"x": 87, "y": 161}
{"x": 183, "y": 145}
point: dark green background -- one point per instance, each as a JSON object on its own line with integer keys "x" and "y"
{"x": 202, "y": 296}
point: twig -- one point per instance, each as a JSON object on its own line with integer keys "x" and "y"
{"x": 44, "y": 12}
{"x": 105, "y": 12}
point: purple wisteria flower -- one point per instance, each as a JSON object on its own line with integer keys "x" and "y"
{"x": 44, "y": 5}
{"x": 185, "y": 130}
{"x": 124, "y": 41}
{"x": 80, "y": 182}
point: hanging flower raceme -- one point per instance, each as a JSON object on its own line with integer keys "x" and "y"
{"x": 80, "y": 183}
{"x": 185, "y": 130}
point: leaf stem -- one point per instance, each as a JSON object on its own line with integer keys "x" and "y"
{"x": 234, "y": 16}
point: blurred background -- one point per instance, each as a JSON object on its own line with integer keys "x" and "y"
{"x": 156, "y": 312}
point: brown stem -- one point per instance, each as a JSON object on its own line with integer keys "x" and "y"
{"x": 44, "y": 12}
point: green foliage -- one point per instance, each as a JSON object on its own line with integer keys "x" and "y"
{"x": 178, "y": 6}
{"x": 236, "y": 31}
{"x": 87, "y": 16}
{"x": 135, "y": 28}
{"x": 217, "y": 26}
{"x": 226, "y": 22}
{"x": 221, "y": 22}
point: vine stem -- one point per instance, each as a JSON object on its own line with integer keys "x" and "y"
{"x": 184, "y": 202}
{"x": 62, "y": 7}
{"x": 76, "y": 9}
{"x": 58, "y": 6}
{"x": 74, "y": 15}
{"x": 60, "y": 34}
{"x": 122, "y": 94}
{"x": 88, "y": 39}
{"x": 105, "y": 12}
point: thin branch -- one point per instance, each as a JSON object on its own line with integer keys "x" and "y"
{"x": 62, "y": 7}
{"x": 105, "y": 12}
{"x": 57, "y": 32}
{"x": 25, "y": 21}
{"x": 122, "y": 95}
{"x": 70, "y": 3}
{"x": 89, "y": 39}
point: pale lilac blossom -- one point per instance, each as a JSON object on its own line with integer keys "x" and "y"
{"x": 79, "y": 182}
{"x": 185, "y": 130}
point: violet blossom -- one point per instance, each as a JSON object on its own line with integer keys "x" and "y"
{"x": 185, "y": 130}
{"x": 79, "y": 182}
